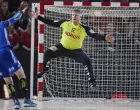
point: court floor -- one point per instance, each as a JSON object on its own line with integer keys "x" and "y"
{"x": 74, "y": 105}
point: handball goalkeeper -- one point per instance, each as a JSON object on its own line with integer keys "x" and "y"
{"x": 71, "y": 42}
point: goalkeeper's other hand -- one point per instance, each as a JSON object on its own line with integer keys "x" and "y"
{"x": 109, "y": 38}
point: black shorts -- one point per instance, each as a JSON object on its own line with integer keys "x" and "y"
{"x": 59, "y": 51}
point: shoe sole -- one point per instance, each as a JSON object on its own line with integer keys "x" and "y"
{"x": 16, "y": 107}
{"x": 27, "y": 105}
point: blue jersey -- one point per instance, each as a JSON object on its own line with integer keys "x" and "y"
{"x": 9, "y": 64}
{"x": 4, "y": 42}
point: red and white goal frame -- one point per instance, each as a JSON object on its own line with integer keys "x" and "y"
{"x": 41, "y": 7}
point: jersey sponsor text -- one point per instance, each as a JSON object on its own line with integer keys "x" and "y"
{"x": 71, "y": 35}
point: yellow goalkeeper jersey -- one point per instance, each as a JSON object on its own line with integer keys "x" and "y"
{"x": 72, "y": 35}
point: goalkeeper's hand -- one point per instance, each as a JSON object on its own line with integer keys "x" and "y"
{"x": 109, "y": 38}
{"x": 34, "y": 15}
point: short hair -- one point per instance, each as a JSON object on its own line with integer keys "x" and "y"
{"x": 77, "y": 11}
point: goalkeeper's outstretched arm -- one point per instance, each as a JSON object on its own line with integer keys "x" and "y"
{"x": 51, "y": 22}
{"x": 97, "y": 36}
{"x": 48, "y": 21}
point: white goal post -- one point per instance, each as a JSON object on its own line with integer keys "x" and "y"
{"x": 116, "y": 65}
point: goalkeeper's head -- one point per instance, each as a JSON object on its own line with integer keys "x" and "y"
{"x": 76, "y": 15}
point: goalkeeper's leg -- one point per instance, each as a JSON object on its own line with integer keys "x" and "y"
{"x": 91, "y": 77}
{"x": 53, "y": 52}
{"x": 48, "y": 55}
{"x": 79, "y": 56}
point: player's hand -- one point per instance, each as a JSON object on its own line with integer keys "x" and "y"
{"x": 24, "y": 9}
{"x": 138, "y": 42}
{"x": 109, "y": 38}
{"x": 34, "y": 14}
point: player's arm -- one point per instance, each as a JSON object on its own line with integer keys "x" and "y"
{"x": 51, "y": 22}
{"x": 47, "y": 21}
{"x": 97, "y": 36}
{"x": 13, "y": 19}
{"x": 16, "y": 17}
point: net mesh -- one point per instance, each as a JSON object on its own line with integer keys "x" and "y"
{"x": 115, "y": 65}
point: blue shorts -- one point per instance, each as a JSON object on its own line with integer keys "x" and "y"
{"x": 8, "y": 63}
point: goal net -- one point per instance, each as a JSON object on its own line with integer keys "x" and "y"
{"x": 115, "y": 65}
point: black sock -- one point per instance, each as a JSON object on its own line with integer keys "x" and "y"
{"x": 23, "y": 86}
{"x": 12, "y": 92}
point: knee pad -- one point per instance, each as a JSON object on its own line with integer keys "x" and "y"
{"x": 10, "y": 88}
{"x": 23, "y": 83}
